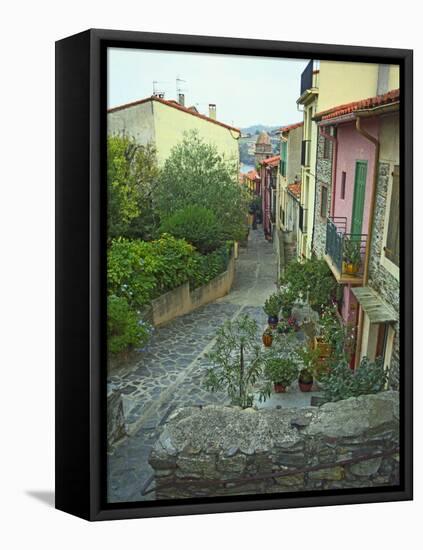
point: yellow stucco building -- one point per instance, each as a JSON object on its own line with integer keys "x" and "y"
{"x": 325, "y": 84}
{"x": 162, "y": 122}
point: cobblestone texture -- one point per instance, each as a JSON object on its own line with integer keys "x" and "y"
{"x": 169, "y": 373}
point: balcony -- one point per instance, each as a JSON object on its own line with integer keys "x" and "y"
{"x": 307, "y": 78}
{"x": 305, "y": 153}
{"x": 345, "y": 252}
{"x": 302, "y": 219}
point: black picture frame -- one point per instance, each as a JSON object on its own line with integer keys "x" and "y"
{"x": 80, "y": 271}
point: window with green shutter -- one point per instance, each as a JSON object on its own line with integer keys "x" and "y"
{"x": 282, "y": 168}
{"x": 392, "y": 239}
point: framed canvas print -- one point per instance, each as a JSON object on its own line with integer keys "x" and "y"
{"x": 234, "y": 274}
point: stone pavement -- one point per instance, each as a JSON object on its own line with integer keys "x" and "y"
{"x": 170, "y": 372}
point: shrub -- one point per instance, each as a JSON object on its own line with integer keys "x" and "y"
{"x": 141, "y": 271}
{"x": 311, "y": 278}
{"x": 198, "y": 225}
{"x": 342, "y": 382}
{"x": 124, "y": 328}
{"x": 211, "y": 265}
{"x": 273, "y": 305}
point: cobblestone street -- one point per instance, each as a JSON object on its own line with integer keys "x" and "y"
{"x": 169, "y": 373}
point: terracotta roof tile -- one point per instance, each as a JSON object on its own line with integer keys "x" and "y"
{"x": 369, "y": 103}
{"x": 295, "y": 189}
{"x": 175, "y": 105}
{"x": 291, "y": 127}
{"x": 271, "y": 161}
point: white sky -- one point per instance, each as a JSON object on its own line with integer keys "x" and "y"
{"x": 246, "y": 90}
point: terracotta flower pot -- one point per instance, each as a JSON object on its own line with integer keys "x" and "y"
{"x": 279, "y": 388}
{"x": 349, "y": 268}
{"x": 305, "y": 386}
{"x": 267, "y": 340}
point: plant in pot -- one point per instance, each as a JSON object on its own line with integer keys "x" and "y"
{"x": 309, "y": 359}
{"x": 271, "y": 308}
{"x": 351, "y": 258}
{"x": 267, "y": 337}
{"x": 281, "y": 371}
{"x": 237, "y": 361}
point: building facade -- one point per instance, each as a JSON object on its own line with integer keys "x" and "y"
{"x": 322, "y": 89}
{"x": 164, "y": 123}
{"x": 268, "y": 181}
{"x": 353, "y": 198}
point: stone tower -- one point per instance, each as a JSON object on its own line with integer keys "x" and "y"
{"x": 263, "y": 147}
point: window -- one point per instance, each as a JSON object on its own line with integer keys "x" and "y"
{"x": 324, "y": 201}
{"x": 392, "y": 237}
{"x": 343, "y": 183}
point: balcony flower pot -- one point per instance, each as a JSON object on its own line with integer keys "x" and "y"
{"x": 279, "y": 388}
{"x": 267, "y": 338}
{"x": 349, "y": 268}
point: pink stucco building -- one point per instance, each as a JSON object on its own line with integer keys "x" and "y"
{"x": 347, "y": 167}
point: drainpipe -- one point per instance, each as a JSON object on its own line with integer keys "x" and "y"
{"x": 334, "y": 141}
{"x": 376, "y": 143}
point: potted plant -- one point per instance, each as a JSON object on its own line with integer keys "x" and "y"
{"x": 267, "y": 337}
{"x": 351, "y": 258}
{"x": 271, "y": 307}
{"x": 309, "y": 359}
{"x": 305, "y": 379}
{"x": 281, "y": 371}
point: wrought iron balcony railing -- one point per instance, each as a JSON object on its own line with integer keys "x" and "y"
{"x": 307, "y": 78}
{"x": 346, "y": 251}
{"x": 305, "y": 152}
{"x": 302, "y": 219}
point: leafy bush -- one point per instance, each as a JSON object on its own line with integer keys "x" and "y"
{"x": 124, "y": 329}
{"x": 238, "y": 360}
{"x": 196, "y": 224}
{"x": 131, "y": 174}
{"x": 311, "y": 278}
{"x": 196, "y": 174}
{"x": 210, "y": 266}
{"x": 141, "y": 271}
{"x": 342, "y": 382}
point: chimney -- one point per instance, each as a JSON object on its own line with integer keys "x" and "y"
{"x": 212, "y": 111}
{"x": 181, "y": 99}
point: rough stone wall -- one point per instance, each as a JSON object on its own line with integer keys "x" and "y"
{"x": 380, "y": 279}
{"x": 221, "y": 450}
{"x": 116, "y": 428}
{"x": 323, "y": 176}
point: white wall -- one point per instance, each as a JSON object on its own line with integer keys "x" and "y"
{"x": 26, "y": 226}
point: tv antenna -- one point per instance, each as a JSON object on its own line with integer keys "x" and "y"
{"x": 158, "y": 89}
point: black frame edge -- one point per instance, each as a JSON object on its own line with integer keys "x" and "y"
{"x": 72, "y": 384}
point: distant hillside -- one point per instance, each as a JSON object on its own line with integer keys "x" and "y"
{"x": 257, "y": 128}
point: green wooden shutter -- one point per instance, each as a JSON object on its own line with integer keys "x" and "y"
{"x": 392, "y": 240}
{"x": 359, "y": 196}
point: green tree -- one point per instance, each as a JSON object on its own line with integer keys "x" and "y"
{"x": 131, "y": 174}
{"x": 196, "y": 174}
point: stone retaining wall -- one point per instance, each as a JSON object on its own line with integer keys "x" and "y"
{"x": 221, "y": 450}
{"x": 182, "y": 300}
